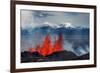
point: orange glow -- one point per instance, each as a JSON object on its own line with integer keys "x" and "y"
{"x": 58, "y": 44}
{"x": 47, "y": 48}
{"x": 31, "y": 50}
{"x": 38, "y": 49}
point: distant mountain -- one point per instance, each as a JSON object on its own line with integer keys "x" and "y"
{"x": 57, "y": 56}
{"x": 53, "y": 25}
{"x": 55, "y": 30}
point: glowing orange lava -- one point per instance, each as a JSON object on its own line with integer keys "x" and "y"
{"x": 47, "y": 48}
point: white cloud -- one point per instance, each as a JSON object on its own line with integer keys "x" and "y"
{"x": 28, "y": 19}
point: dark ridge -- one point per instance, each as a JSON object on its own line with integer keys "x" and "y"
{"x": 56, "y": 56}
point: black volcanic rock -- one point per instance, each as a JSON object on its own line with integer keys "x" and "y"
{"x": 56, "y": 56}
{"x": 25, "y": 57}
{"x": 62, "y": 55}
{"x": 30, "y": 57}
{"x": 83, "y": 57}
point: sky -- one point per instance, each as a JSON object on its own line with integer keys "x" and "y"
{"x": 34, "y": 18}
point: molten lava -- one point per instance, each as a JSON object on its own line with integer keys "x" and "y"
{"x": 38, "y": 49}
{"x": 31, "y": 50}
{"x": 47, "y": 48}
{"x": 58, "y": 44}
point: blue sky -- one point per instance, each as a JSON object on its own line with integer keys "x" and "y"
{"x": 34, "y": 18}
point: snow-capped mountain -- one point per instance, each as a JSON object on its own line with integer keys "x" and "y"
{"x": 66, "y": 25}
{"x": 53, "y": 25}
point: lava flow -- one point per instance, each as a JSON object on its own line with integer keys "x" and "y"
{"x": 47, "y": 48}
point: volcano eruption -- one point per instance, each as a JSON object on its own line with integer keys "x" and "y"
{"x": 49, "y": 51}
{"x": 47, "y": 48}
